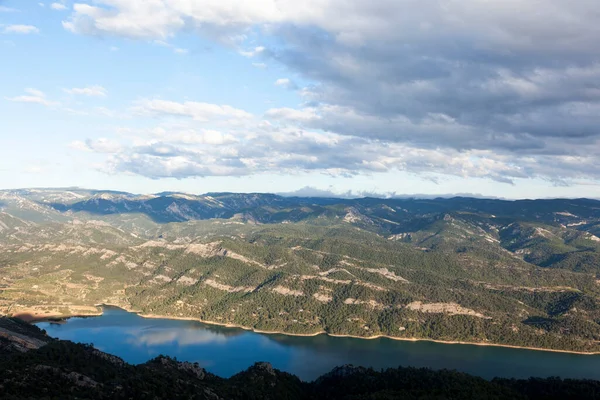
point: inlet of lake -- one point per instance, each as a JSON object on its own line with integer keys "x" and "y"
{"x": 227, "y": 351}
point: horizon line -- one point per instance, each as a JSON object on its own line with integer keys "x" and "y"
{"x": 324, "y": 194}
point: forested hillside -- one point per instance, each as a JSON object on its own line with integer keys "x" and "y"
{"x": 523, "y": 273}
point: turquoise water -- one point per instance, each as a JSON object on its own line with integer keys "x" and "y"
{"x": 226, "y": 351}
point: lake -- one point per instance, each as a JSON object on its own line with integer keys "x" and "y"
{"x": 226, "y": 351}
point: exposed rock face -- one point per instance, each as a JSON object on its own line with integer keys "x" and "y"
{"x": 81, "y": 380}
{"x": 447, "y": 308}
{"x": 287, "y": 291}
{"x": 207, "y": 250}
{"x": 192, "y": 368}
{"x": 109, "y": 357}
{"x": 344, "y": 371}
{"x": 266, "y": 367}
{"x": 187, "y": 281}
{"x": 188, "y": 367}
{"x": 371, "y": 303}
{"x": 387, "y": 274}
{"x": 323, "y": 297}
{"x": 20, "y": 342}
{"x": 19, "y": 336}
{"x": 227, "y": 288}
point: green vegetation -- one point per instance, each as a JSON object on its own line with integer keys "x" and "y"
{"x": 522, "y": 273}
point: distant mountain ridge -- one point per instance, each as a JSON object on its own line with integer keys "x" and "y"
{"x": 177, "y": 207}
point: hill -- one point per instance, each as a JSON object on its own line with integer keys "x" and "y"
{"x": 523, "y": 273}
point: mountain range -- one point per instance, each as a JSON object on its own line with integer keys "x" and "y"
{"x": 523, "y": 273}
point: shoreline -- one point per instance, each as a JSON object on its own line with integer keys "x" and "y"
{"x": 226, "y": 325}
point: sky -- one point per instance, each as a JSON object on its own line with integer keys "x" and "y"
{"x": 496, "y": 98}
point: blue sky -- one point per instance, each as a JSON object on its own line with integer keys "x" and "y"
{"x": 354, "y": 97}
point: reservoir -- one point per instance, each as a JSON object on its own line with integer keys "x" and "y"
{"x": 227, "y": 351}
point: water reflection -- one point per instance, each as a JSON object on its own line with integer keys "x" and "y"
{"x": 174, "y": 336}
{"x": 226, "y": 351}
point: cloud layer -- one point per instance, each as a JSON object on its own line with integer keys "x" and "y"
{"x": 20, "y": 29}
{"x": 501, "y": 89}
{"x": 239, "y": 144}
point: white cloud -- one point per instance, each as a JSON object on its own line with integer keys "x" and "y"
{"x": 353, "y": 23}
{"x": 258, "y": 147}
{"x": 179, "y": 136}
{"x": 310, "y": 191}
{"x": 254, "y": 52}
{"x": 7, "y": 9}
{"x": 197, "y": 110}
{"x": 95, "y": 91}
{"x": 293, "y": 115}
{"x": 286, "y": 83}
{"x": 20, "y": 29}
{"x": 141, "y": 20}
{"x": 176, "y": 50}
{"x": 58, "y": 6}
{"x": 30, "y": 99}
{"x": 500, "y": 89}
{"x": 35, "y": 92}
{"x": 100, "y": 145}
{"x": 33, "y": 96}
{"x": 103, "y": 145}
{"x": 79, "y": 145}
{"x": 282, "y": 82}
{"x": 180, "y": 153}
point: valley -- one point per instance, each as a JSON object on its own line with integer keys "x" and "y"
{"x": 516, "y": 273}
{"x": 36, "y": 365}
